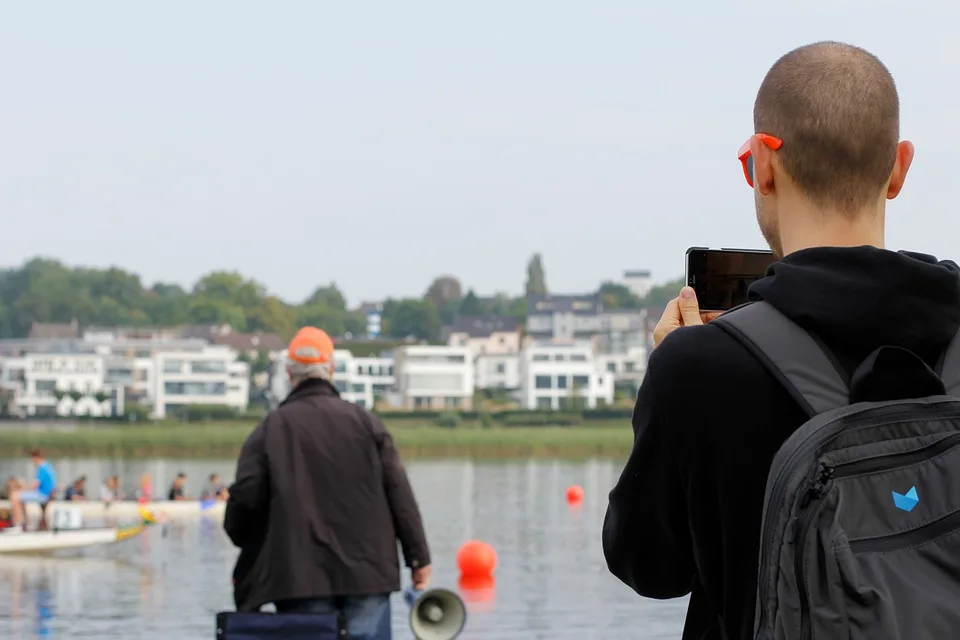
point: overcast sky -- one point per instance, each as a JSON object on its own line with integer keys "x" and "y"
{"x": 378, "y": 145}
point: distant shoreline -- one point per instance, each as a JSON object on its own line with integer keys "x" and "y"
{"x": 223, "y": 440}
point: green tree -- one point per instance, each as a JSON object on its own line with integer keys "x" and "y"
{"x": 410, "y": 317}
{"x": 273, "y": 316}
{"x": 536, "y": 284}
{"x": 618, "y": 296}
{"x": 470, "y": 305}
{"x": 660, "y": 295}
{"x": 330, "y": 296}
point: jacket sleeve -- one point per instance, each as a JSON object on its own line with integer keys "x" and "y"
{"x": 249, "y": 494}
{"x": 646, "y": 533}
{"x": 403, "y": 504}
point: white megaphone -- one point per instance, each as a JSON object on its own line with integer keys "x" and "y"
{"x": 437, "y": 614}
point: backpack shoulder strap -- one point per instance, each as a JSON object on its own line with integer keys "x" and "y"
{"x": 791, "y": 355}
{"x": 949, "y": 368}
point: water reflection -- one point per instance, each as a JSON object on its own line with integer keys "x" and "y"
{"x": 551, "y": 580}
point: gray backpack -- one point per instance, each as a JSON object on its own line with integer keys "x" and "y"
{"x": 861, "y": 518}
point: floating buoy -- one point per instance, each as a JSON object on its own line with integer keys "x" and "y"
{"x": 574, "y": 494}
{"x": 476, "y": 559}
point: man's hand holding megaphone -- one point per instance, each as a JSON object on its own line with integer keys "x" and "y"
{"x": 420, "y": 577}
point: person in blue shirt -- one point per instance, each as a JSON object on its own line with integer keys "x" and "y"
{"x": 40, "y": 491}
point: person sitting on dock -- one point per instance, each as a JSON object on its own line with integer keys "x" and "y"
{"x": 177, "y": 488}
{"x": 38, "y": 492}
{"x": 213, "y": 490}
{"x": 145, "y": 492}
{"x": 76, "y": 491}
{"x": 110, "y": 490}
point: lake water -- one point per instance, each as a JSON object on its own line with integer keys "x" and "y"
{"x": 551, "y": 580}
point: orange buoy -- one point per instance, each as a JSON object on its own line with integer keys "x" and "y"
{"x": 574, "y": 494}
{"x": 476, "y": 559}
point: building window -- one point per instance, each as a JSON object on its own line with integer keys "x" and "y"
{"x": 630, "y": 366}
{"x": 195, "y": 388}
{"x": 172, "y": 366}
{"x": 45, "y": 387}
{"x": 561, "y": 382}
{"x": 421, "y": 402}
{"x": 544, "y": 402}
{"x": 581, "y": 382}
{"x": 559, "y": 357}
{"x": 340, "y": 366}
{"x": 612, "y": 367}
{"x": 451, "y": 403}
{"x": 540, "y": 357}
{"x": 208, "y": 366}
{"x": 578, "y": 357}
{"x": 564, "y": 403}
{"x": 357, "y": 387}
{"x": 542, "y": 382}
{"x": 501, "y": 368}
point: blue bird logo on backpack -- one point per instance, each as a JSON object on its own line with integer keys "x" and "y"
{"x": 906, "y": 502}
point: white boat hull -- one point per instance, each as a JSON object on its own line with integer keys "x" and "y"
{"x": 33, "y": 541}
{"x": 130, "y": 509}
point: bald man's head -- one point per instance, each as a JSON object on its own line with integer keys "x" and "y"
{"x": 835, "y": 106}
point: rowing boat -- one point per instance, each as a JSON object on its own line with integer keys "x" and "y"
{"x": 170, "y": 510}
{"x": 32, "y": 541}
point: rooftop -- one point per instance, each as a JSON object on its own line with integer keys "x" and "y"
{"x": 482, "y": 326}
{"x": 580, "y": 304}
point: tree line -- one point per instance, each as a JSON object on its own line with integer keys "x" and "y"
{"x": 44, "y": 290}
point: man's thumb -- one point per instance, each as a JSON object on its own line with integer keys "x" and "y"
{"x": 689, "y": 309}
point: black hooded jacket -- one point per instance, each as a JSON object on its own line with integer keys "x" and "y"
{"x": 685, "y": 514}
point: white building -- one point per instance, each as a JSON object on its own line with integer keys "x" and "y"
{"x": 360, "y": 380}
{"x": 434, "y": 377}
{"x": 638, "y": 281}
{"x": 211, "y": 375}
{"x": 61, "y": 384}
{"x": 627, "y": 369}
{"x": 497, "y": 371}
{"x": 556, "y": 376}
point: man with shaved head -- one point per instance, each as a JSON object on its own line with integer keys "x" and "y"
{"x": 824, "y": 158}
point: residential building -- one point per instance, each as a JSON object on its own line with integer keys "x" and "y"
{"x": 621, "y": 330}
{"x": 60, "y": 384}
{"x": 372, "y": 313}
{"x": 557, "y": 376}
{"x": 639, "y": 281}
{"x": 208, "y": 376}
{"x": 434, "y": 377}
{"x": 360, "y": 380}
{"x": 497, "y": 371}
{"x": 563, "y": 318}
{"x": 53, "y": 331}
{"x": 485, "y": 334}
{"x": 627, "y": 368}
{"x": 251, "y": 344}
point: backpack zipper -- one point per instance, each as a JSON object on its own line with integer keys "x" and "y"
{"x": 810, "y": 441}
{"x": 808, "y": 503}
{"x": 929, "y": 531}
{"x": 890, "y": 461}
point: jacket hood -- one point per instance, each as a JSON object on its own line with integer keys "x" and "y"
{"x": 859, "y": 298}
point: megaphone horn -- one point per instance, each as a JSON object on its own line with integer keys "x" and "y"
{"x": 437, "y": 614}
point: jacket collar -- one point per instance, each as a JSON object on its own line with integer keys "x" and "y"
{"x": 311, "y": 387}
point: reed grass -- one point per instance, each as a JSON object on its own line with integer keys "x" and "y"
{"x": 217, "y": 439}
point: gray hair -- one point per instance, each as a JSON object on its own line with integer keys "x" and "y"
{"x": 317, "y": 370}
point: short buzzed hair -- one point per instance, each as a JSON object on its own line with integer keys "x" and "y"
{"x": 836, "y": 108}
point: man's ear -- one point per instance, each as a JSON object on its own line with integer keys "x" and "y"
{"x": 762, "y": 167}
{"x": 901, "y": 165}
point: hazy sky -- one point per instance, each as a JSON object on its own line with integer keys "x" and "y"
{"x": 380, "y": 144}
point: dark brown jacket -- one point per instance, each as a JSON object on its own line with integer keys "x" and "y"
{"x": 319, "y": 503}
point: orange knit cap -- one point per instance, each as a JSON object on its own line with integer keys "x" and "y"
{"x": 310, "y": 346}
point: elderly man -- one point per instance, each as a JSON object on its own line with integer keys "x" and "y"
{"x": 319, "y": 502}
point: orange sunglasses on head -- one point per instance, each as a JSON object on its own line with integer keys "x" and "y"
{"x": 746, "y": 158}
